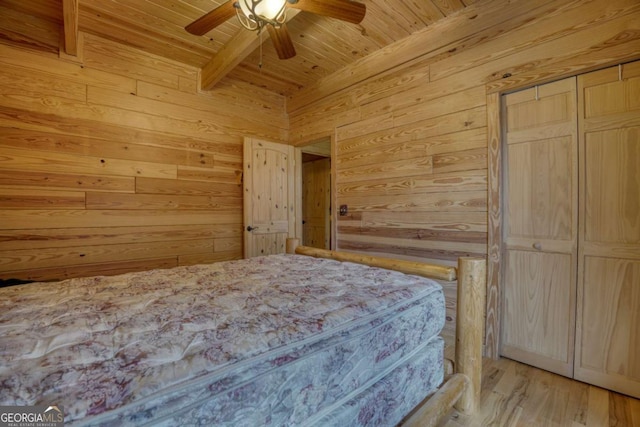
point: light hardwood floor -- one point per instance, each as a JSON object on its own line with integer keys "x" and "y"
{"x": 514, "y": 394}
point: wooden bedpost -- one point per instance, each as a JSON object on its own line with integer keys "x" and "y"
{"x": 292, "y": 244}
{"x": 472, "y": 282}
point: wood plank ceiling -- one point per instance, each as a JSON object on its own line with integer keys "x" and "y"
{"x": 323, "y": 45}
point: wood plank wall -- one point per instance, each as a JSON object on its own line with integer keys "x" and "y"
{"x": 411, "y": 129}
{"x": 113, "y": 161}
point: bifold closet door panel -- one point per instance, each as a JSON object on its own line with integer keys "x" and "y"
{"x": 608, "y": 305}
{"x": 609, "y": 319}
{"x": 538, "y": 328}
{"x": 540, "y": 223}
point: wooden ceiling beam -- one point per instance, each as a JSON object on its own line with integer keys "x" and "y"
{"x": 70, "y": 15}
{"x": 233, "y": 53}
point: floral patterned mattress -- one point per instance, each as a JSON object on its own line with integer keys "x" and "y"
{"x": 270, "y": 341}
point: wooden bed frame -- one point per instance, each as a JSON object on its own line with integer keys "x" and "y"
{"x": 461, "y": 389}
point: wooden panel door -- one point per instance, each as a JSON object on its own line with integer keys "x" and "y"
{"x": 316, "y": 202}
{"x": 269, "y": 197}
{"x": 608, "y": 306}
{"x": 540, "y": 241}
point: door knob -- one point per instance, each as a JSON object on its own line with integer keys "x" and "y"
{"x": 250, "y": 228}
{"x": 537, "y": 246}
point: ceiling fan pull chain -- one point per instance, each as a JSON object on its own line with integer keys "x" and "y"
{"x": 260, "y": 62}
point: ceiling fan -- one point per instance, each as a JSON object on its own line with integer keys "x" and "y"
{"x": 257, "y": 14}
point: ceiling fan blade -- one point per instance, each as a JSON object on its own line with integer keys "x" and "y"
{"x": 209, "y": 21}
{"x": 344, "y": 10}
{"x": 282, "y": 41}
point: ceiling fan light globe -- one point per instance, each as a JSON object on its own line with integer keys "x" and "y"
{"x": 269, "y": 10}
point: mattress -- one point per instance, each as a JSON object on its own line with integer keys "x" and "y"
{"x": 274, "y": 341}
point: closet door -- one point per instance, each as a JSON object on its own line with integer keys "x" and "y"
{"x": 541, "y": 192}
{"x": 608, "y": 306}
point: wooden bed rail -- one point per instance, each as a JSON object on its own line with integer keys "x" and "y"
{"x": 432, "y": 271}
{"x": 462, "y": 390}
{"x": 439, "y": 405}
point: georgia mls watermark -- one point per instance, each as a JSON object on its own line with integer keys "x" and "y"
{"x": 31, "y": 416}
